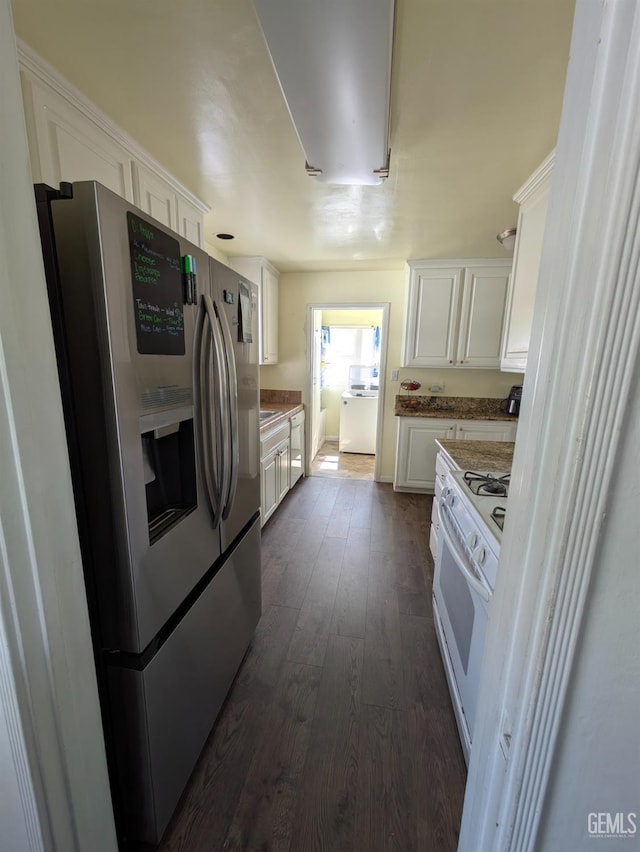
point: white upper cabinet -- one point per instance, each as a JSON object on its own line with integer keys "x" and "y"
{"x": 266, "y": 278}
{"x": 533, "y": 198}
{"x": 65, "y": 146}
{"x": 455, "y": 313}
{"x": 154, "y": 196}
{"x": 431, "y": 324}
{"x": 189, "y": 222}
{"x": 71, "y": 140}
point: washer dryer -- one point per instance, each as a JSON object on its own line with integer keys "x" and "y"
{"x": 358, "y": 421}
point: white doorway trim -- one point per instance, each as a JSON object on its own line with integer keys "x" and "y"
{"x": 583, "y": 362}
{"x": 384, "y": 336}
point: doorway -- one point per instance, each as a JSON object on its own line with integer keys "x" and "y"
{"x": 346, "y": 369}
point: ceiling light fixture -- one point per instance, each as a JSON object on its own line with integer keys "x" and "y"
{"x": 507, "y": 239}
{"x": 333, "y": 61}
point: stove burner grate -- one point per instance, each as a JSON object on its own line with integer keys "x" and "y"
{"x": 486, "y": 484}
{"x": 498, "y": 516}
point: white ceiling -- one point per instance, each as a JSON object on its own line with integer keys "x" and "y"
{"x": 476, "y": 99}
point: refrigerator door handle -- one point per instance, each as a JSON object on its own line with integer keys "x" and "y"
{"x": 224, "y": 443}
{"x": 232, "y": 384}
{"x": 202, "y": 365}
{"x": 216, "y": 408}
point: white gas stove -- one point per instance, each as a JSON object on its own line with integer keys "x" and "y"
{"x": 471, "y": 510}
{"x": 487, "y": 494}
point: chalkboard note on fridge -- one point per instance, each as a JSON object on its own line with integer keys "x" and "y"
{"x": 157, "y": 289}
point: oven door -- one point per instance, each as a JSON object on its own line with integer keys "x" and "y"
{"x": 461, "y": 601}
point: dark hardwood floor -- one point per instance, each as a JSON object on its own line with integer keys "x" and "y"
{"x": 338, "y": 734}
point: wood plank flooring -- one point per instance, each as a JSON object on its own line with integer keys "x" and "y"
{"x": 338, "y": 734}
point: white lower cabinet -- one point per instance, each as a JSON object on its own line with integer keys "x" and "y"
{"x": 486, "y": 430}
{"x": 279, "y": 450}
{"x": 416, "y": 448}
{"x": 275, "y": 456}
{"x": 297, "y": 448}
{"x": 269, "y": 476}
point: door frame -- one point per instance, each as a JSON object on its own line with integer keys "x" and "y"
{"x": 384, "y": 336}
{"x": 579, "y": 390}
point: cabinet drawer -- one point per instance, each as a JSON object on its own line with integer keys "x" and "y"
{"x": 271, "y": 440}
{"x": 297, "y": 419}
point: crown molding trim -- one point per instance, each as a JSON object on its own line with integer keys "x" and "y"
{"x": 33, "y": 63}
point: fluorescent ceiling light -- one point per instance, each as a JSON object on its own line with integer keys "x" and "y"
{"x": 333, "y": 61}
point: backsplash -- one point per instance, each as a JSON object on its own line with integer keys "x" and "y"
{"x": 283, "y": 397}
{"x": 468, "y": 408}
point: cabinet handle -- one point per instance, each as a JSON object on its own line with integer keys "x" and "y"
{"x": 451, "y": 362}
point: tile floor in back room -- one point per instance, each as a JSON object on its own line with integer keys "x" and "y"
{"x": 338, "y": 732}
{"x": 329, "y": 461}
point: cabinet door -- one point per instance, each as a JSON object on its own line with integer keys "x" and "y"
{"x": 486, "y": 430}
{"x": 484, "y": 296}
{"x": 526, "y": 264}
{"x": 522, "y": 293}
{"x": 189, "y": 222}
{"x": 269, "y": 317}
{"x": 66, "y": 145}
{"x": 431, "y": 323}
{"x": 416, "y": 452}
{"x": 265, "y": 277}
{"x": 284, "y": 464}
{"x": 297, "y": 453}
{"x": 269, "y": 485}
{"x": 154, "y": 196}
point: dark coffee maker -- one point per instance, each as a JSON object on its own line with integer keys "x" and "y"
{"x": 513, "y": 402}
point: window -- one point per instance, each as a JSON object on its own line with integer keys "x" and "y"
{"x": 343, "y": 346}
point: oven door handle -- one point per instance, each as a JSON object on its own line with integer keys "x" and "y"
{"x": 461, "y": 559}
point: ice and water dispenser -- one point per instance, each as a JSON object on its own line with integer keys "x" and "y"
{"x": 168, "y": 455}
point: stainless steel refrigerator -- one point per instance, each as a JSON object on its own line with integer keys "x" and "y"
{"x": 157, "y": 351}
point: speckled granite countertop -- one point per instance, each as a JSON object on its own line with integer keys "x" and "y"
{"x": 284, "y": 409}
{"x": 484, "y": 456}
{"x": 452, "y": 407}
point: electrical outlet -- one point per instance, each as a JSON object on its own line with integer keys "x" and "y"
{"x": 395, "y": 374}
{"x": 437, "y": 388}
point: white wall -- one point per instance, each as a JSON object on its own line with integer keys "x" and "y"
{"x": 298, "y": 289}
{"x": 47, "y": 670}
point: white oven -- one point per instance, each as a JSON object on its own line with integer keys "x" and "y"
{"x": 465, "y": 570}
